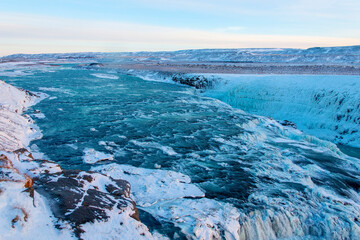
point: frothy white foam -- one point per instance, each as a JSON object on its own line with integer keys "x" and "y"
{"x": 104, "y": 75}
{"x": 150, "y": 186}
{"x": 165, "y": 149}
{"x": 92, "y": 156}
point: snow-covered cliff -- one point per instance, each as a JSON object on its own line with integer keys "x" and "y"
{"x": 324, "y": 106}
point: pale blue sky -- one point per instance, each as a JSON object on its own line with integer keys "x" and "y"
{"x": 116, "y": 25}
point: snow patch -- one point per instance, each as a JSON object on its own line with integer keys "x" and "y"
{"x": 103, "y": 75}
{"x": 169, "y": 196}
{"x": 165, "y": 149}
{"x": 118, "y": 224}
{"x": 203, "y": 218}
{"x": 92, "y": 156}
{"x": 150, "y": 186}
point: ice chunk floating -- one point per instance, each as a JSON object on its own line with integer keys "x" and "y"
{"x": 199, "y": 168}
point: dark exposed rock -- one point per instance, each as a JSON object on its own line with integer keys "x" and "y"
{"x": 199, "y": 82}
{"x": 96, "y": 64}
{"x": 114, "y": 190}
{"x": 22, "y": 151}
{"x": 31, "y": 94}
{"x": 90, "y": 66}
{"x": 88, "y": 178}
{"x": 80, "y": 197}
{"x": 21, "y": 217}
{"x": 74, "y": 196}
{"x": 288, "y": 123}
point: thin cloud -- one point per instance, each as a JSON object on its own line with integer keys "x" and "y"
{"x": 231, "y": 29}
{"x": 31, "y": 34}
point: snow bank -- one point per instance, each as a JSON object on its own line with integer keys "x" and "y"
{"x": 14, "y": 99}
{"x": 23, "y": 214}
{"x": 16, "y": 130}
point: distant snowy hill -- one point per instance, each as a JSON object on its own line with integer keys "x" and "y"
{"x": 317, "y": 55}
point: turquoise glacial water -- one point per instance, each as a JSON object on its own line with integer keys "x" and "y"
{"x": 248, "y": 161}
{"x": 326, "y": 106}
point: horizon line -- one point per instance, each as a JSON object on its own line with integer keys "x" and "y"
{"x": 185, "y": 49}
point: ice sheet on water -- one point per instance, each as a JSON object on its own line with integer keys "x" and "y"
{"x": 38, "y": 115}
{"x": 52, "y": 89}
{"x": 169, "y": 196}
{"x": 203, "y": 218}
{"x": 104, "y": 75}
{"x": 92, "y": 156}
{"x": 155, "y": 184}
{"x": 16, "y": 73}
{"x": 166, "y": 149}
